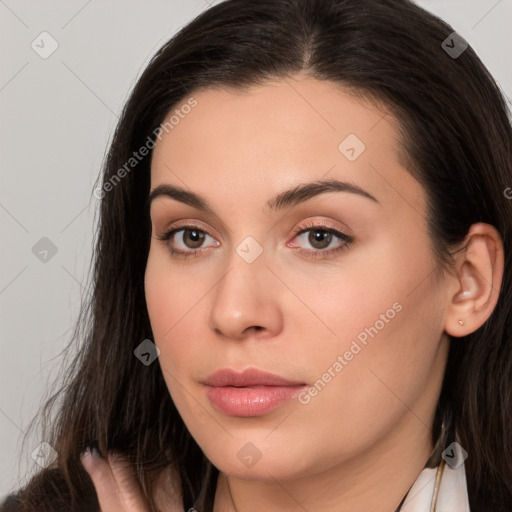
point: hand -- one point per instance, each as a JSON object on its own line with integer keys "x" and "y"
{"x": 114, "y": 482}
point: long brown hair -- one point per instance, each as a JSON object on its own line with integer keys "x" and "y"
{"x": 457, "y": 138}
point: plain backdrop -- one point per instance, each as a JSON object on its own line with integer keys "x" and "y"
{"x": 58, "y": 113}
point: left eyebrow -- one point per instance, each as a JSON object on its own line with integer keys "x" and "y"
{"x": 306, "y": 191}
{"x": 285, "y": 199}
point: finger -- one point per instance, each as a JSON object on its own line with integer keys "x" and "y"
{"x": 112, "y": 496}
{"x": 103, "y": 481}
{"x": 128, "y": 489}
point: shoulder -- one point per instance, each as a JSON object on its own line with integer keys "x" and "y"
{"x": 48, "y": 491}
{"x": 21, "y": 502}
{"x": 10, "y": 504}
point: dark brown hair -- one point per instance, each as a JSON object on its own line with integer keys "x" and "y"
{"x": 457, "y": 138}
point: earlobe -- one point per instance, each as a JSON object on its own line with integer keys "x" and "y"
{"x": 478, "y": 279}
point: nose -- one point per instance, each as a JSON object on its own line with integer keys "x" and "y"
{"x": 246, "y": 302}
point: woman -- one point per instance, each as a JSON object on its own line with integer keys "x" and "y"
{"x": 302, "y": 279}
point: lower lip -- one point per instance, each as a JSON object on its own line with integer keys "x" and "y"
{"x": 251, "y": 400}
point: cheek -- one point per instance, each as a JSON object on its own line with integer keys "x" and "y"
{"x": 172, "y": 298}
{"x": 386, "y": 317}
{"x": 371, "y": 293}
{"x": 177, "y": 314}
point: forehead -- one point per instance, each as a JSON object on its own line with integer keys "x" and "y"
{"x": 281, "y": 133}
{"x": 299, "y": 106}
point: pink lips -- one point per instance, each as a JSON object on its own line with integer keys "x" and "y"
{"x": 252, "y": 392}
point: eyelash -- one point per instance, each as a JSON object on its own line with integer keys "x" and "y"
{"x": 315, "y": 253}
{"x": 320, "y": 253}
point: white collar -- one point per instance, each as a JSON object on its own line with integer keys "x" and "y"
{"x": 452, "y": 495}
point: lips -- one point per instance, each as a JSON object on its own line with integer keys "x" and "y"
{"x": 252, "y": 392}
{"x": 249, "y": 377}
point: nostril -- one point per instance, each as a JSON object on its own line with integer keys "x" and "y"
{"x": 254, "y": 329}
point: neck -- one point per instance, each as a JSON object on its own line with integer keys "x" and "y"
{"x": 375, "y": 480}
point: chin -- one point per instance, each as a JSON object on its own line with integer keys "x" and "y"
{"x": 245, "y": 461}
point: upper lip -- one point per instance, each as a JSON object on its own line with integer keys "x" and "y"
{"x": 248, "y": 377}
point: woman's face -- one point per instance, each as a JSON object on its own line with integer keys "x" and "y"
{"x": 332, "y": 287}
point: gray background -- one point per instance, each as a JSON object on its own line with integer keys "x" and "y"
{"x": 58, "y": 115}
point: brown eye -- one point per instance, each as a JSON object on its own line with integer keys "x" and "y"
{"x": 319, "y": 238}
{"x": 192, "y": 238}
{"x": 187, "y": 241}
{"x": 323, "y": 241}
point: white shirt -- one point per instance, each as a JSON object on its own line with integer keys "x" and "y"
{"x": 452, "y": 494}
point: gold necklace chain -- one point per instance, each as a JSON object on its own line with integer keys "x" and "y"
{"x": 439, "y": 475}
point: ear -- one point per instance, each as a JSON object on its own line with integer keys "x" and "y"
{"x": 475, "y": 287}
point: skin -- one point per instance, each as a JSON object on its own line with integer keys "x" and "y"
{"x": 293, "y": 314}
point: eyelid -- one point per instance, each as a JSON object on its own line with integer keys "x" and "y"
{"x": 188, "y": 224}
{"x": 318, "y": 224}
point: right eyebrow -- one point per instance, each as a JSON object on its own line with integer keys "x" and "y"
{"x": 179, "y": 194}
